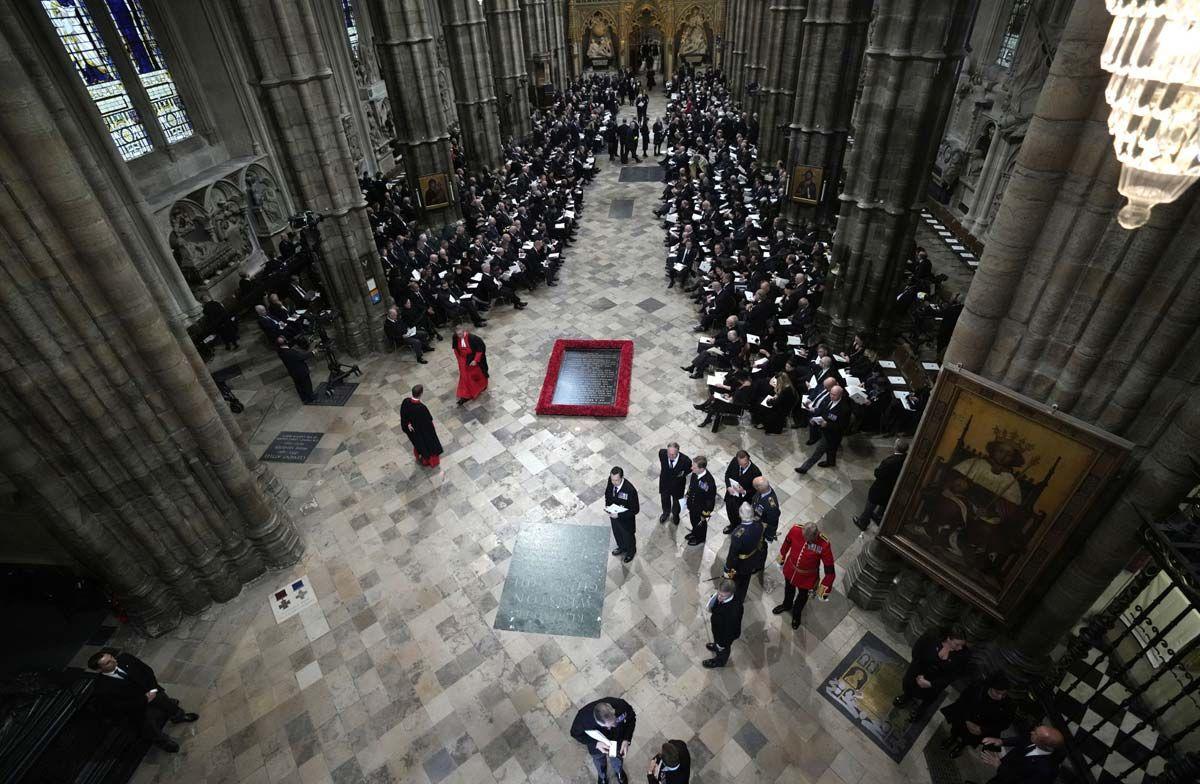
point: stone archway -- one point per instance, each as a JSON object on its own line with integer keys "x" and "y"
{"x": 647, "y": 40}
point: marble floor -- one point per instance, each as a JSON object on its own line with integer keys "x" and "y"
{"x": 398, "y": 676}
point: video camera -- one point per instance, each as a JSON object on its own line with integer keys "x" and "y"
{"x": 305, "y": 220}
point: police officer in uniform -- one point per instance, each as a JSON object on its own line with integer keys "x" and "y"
{"x": 804, "y": 553}
{"x": 621, "y": 492}
{"x": 674, "y": 468}
{"x": 747, "y": 552}
{"x": 766, "y": 507}
{"x": 743, "y": 471}
{"x": 701, "y": 498}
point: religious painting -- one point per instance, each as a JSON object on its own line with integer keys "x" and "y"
{"x": 435, "y": 191}
{"x": 994, "y": 487}
{"x": 806, "y": 184}
{"x": 691, "y": 40}
{"x": 599, "y": 42}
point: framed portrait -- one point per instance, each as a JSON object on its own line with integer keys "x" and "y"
{"x": 806, "y": 184}
{"x": 994, "y": 487}
{"x": 435, "y": 191}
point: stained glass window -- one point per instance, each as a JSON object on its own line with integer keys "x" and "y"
{"x": 1012, "y": 33}
{"x": 77, "y": 32}
{"x": 351, "y": 25}
{"x": 143, "y": 51}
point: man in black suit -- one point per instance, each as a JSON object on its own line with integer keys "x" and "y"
{"x": 674, "y": 468}
{"x": 296, "y": 362}
{"x": 739, "y": 485}
{"x": 622, "y": 493}
{"x": 880, "y": 492}
{"x": 1031, "y": 760}
{"x": 828, "y": 422}
{"x": 672, "y": 765}
{"x": 270, "y": 326}
{"x": 127, "y": 686}
{"x": 725, "y": 607}
{"x": 613, "y": 719}
{"x": 701, "y": 498}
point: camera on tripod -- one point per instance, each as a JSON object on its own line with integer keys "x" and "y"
{"x": 305, "y": 220}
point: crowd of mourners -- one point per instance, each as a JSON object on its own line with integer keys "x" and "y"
{"x": 757, "y": 285}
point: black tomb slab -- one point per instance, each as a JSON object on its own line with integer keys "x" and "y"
{"x": 588, "y": 377}
{"x": 622, "y": 209}
{"x": 555, "y": 581}
{"x": 323, "y": 396}
{"x": 641, "y": 174}
{"x": 291, "y": 446}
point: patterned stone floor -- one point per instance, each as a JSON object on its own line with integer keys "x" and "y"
{"x": 398, "y": 676}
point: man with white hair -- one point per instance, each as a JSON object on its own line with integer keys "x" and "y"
{"x": 747, "y": 551}
{"x": 830, "y": 419}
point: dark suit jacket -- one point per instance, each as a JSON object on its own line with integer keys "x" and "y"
{"x": 886, "y": 475}
{"x": 745, "y": 480}
{"x": 584, "y": 721}
{"x": 673, "y": 481}
{"x": 680, "y": 775}
{"x": 1017, "y": 768}
{"x": 630, "y": 502}
{"x": 127, "y": 695}
{"x": 727, "y": 622}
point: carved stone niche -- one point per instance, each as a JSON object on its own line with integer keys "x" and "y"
{"x": 210, "y": 238}
{"x": 268, "y": 212}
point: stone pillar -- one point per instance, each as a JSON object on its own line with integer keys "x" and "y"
{"x": 738, "y": 43}
{"x": 556, "y": 11}
{"x": 508, "y": 66}
{"x": 756, "y": 10}
{"x": 409, "y": 62}
{"x": 911, "y": 68}
{"x": 872, "y": 574}
{"x": 833, "y": 37}
{"x": 1071, "y": 309}
{"x": 534, "y": 25}
{"x": 471, "y": 72}
{"x": 108, "y": 419}
{"x": 784, "y": 20}
{"x": 290, "y": 67}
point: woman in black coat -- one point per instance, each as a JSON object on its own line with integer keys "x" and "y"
{"x": 783, "y": 399}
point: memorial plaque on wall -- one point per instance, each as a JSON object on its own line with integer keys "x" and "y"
{"x": 588, "y": 378}
{"x": 291, "y": 446}
{"x": 556, "y": 580}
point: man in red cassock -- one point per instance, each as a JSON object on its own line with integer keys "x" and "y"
{"x": 417, "y": 423}
{"x": 472, "y": 364}
{"x": 804, "y": 554}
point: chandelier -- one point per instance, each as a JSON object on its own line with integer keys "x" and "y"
{"x": 1153, "y": 54}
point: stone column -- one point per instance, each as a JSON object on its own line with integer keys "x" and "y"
{"x": 1071, "y": 309}
{"x": 409, "y": 62}
{"x": 108, "y": 419}
{"x": 534, "y": 25}
{"x": 833, "y": 37}
{"x": 784, "y": 20}
{"x": 911, "y": 68}
{"x": 471, "y": 71}
{"x": 556, "y": 12}
{"x": 738, "y": 42}
{"x": 756, "y": 10}
{"x": 508, "y": 65}
{"x": 290, "y": 67}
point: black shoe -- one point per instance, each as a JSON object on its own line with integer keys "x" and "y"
{"x": 520, "y": 305}
{"x": 712, "y": 664}
{"x": 687, "y": 368}
{"x": 181, "y": 718}
{"x": 795, "y": 623}
{"x": 675, "y": 519}
{"x": 780, "y": 609}
{"x": 707, "y": 421}
{"x": 712, "y": 646}
{"x": 700, "y": 406}
{"x": 168, "y": 745}
{"x": 481, "y": 323}
{"x": 438, "y": 335}
{"x": 623, "y": 777}
{"x": 696, "y": 376}
{"x": 671, "y": 285}
{"x": 861, "y": 523}
{"x": 618, "y": 551}
{"x": 662, "y": 518}
{"x": 628, "y": 557}
{"x": 422, "y": 361}
{"x": 461, "y": 400}
{"x": 728, "y": 529}
{"x": 602, "y": 778}
{"x": 811, "y": 441}
{"x": 827, "y": 464}
{"x": 801, "y": 470}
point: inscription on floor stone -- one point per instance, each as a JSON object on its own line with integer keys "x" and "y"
{"x": 291, "y": 446}
{"x": 588, "y": 377}
{"x": 555, "y": 581}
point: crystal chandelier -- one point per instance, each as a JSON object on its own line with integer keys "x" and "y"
{"x": 1153, "y": 54}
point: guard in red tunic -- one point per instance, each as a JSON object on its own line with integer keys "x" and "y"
{"x": 472, "y": 364}
{"x": 804, "y": 552}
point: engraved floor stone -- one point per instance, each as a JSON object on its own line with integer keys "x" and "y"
{"x": 588, "y": 377}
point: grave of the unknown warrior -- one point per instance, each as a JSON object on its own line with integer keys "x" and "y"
{"x": 291, "y": 446}
{"x": 587, "y": 378}
{"x": 555, "y": 581}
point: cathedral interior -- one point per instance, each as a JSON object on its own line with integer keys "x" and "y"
{"x": 175, "y": 171}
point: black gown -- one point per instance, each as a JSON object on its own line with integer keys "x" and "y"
{"x": 423, "y": 435}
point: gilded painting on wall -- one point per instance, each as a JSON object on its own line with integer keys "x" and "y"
{"x": 994, "y": 487}
{"x": 435, "y": 193}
